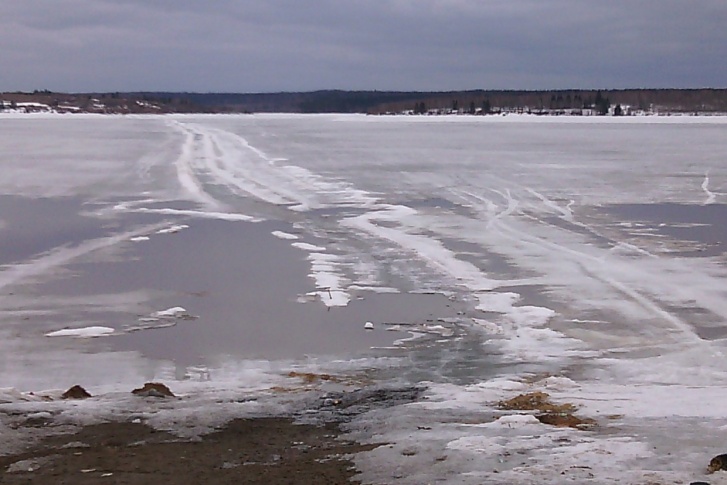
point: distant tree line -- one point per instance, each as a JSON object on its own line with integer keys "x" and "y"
{"x": 601, "y": 104}
{"x": 375, "y": 102}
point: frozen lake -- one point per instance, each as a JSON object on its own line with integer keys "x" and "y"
{"x": 582, "y": 257}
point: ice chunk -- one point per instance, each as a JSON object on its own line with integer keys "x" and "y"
{"x": 84, "y": 332}
{"x": 173, "y": 312}
{"x": 284, "y": 235}
{"x": 308, "y": 247}
{"x": 514, "y": 421}
{"x": 173, "y": 229}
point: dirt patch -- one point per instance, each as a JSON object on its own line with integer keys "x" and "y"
{"x": 76, "y": 392}
{"x": 560, "y": 415}
{"x": 535, "y": 401}
{"x": 310, "y": 377}
{"x": 153, "y": 389}
{"x": 565, "y": 420}
{"x": 246, "y": 451}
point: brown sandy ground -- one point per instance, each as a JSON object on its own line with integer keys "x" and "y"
{"x": 246, "y": 451}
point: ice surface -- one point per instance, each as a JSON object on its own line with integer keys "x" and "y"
{"x": 170, "y": 312}
{"x": 56, "y": 258}
{"x": 83, "y": 332}
{"x": 284, "y": 235}
{"x": 308, "y": 247}
{"x": 173, "y": 229}
{"x": 225, "y": 216}
{"x": 326, "y": 271}
{"x": 331, "y": 285}
{"x": 508, "y": 216}
{"x": 711, "y": 197}
{"x": 211, "y": 155}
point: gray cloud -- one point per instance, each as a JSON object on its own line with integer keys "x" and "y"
{"x": 246, "y": 45}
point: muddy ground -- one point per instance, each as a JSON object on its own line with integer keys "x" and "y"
{"x": 246, "y": 451}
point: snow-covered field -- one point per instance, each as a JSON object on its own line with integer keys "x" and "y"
{"x": 584, "y": 258}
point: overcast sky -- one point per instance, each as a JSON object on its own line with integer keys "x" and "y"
{"x": 301, "y": 45}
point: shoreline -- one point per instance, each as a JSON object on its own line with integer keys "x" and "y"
{"x": 290, "y": 435}
{"x": 271, "y": 450}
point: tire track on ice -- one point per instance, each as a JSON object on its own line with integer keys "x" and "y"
{"x": 62, "y": 255}
{"x": 225, "y": 159}
{"x": 711, "y": 197}
{"x": 187, "y": 170}
{"x": 592, "y": 266}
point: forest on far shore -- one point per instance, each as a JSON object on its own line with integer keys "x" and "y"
{"x": 375, "y": 102}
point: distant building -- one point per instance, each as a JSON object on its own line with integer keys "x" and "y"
{"x": 624, "y": 108}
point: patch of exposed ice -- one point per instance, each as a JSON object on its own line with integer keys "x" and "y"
{"x": 172, "y": 312}
{"x": 489, "y": 327}
{"x": 149, "y": 324}
{"x": 62, "y": 255}
{"x": 330, "y": 283}
{"x": 422, "y": 328}
{"x": 398, "y": 223}
{"x": 173, "y": 229}
{"x": 705, "y": 187}
{"x": 231, "y": 162}
{"x": 224, "y": 216}
{"x": 373, "y": 289}
{"x": 284, "y": 235}
{"x": 84, "y": 332}
{"x": 308, "y": 247}
{"x": 160, "y": 319}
